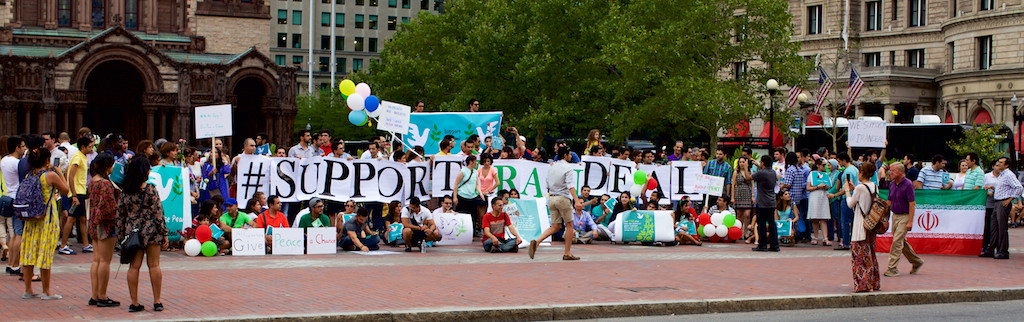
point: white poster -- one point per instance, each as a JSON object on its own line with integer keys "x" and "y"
{"x": 283, "y": 179}
{"x": 660, "y": 173}
{"x": 528, "y": 177}
{"x": 322, "y": 240}
{"x": 621, "y": 176}
{"x": 336, "y": 183}
{"x": 393, "y": 117}
{"x": 213, "y": 121}
{"x": 681, "y": 183}
{"x": 248, "y": 242}
{"x": 595, "y": 174}
{"x": 391, "y": 180}
{"x": 455, "y": 229}
{"x": 418, "y": 184}
{"x": 364, "y": 176}
{"x": 308, "y": 174}
{"x": 866, "y": 134}
{"x": 288, "y": 241}
{"x": 446, "y": 168}
{"x": 252, "y": 175}
{"x": 708, "y": 184}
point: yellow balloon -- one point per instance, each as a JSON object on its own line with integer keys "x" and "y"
{"x": 894, "y": 112}
{"x": 347, "y": 87}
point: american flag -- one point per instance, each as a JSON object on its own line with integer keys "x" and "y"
{"x": 826, "y": 86}
{"x": 793, "y": 94}
{"x": 855, "y": 85}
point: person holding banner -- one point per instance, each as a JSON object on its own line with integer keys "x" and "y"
{"x": 562, "y": 193}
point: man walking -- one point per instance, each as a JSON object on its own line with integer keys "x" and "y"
{"x": 901, "y": 201}
{"x": 562, "y": 191}
{"x": 767, "y": 231}
{"x": 1007, "y": 187}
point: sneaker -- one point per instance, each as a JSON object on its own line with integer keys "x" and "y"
{"x": 87, "y": 249}
{"x": 891, "y": 273}
{"x": 66, "y": 250}
{"x": 916, "y": 267}
{"x": 107, "y": 303}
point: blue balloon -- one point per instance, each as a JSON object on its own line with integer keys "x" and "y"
{"x": 371, "y": 103}
{"x": 357, "y": 118}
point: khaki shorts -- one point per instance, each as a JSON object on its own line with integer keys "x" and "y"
{"x": 560, "y": 209}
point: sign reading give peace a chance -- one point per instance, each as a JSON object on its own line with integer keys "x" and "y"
{"x": 213, "y": 121}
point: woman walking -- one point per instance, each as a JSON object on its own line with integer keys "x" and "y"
{"x": 139, "y": 210}
{"x": 39, "y": 238}
{"x": 818, "y": 210}
{"x": 865, "y": 264}
{"x": 742, "y": 187}
{"x": 103, "y": 197}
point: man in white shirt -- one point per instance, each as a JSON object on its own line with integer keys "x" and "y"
{"x": 338, "y": 149}
{"x": 65, "y": 142}
{"x": 418, "y": 225}
{"x": 372, "y": 152}
{"x": 9, "y": 171}
{"x": 447, "y": 206}
{"x": 304, "y": 149}
{"x": 562, "y": 191}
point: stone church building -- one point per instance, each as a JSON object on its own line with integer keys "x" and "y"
{"x": 139, "y": 67}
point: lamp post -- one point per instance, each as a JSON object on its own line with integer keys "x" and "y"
{"x": 772, "y": 86}
{"x": 1018, "y": 117}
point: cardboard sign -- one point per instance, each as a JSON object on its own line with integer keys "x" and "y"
{"x": 706, "y": 184}
{"x": 866, "y": 134}
{"x": 248, "y": 242}
{"x": 288, "y": 241}
{"x": 784, "y": 228}
{"x": 689, "y": 227}
{"x": 393, "y": 117}
{"x": 173, "y": 186}
{"x": 323, "y": 240}
{"x": 534, "y": 217}
{"x": 455, "y": 229}
{"x": 213, "y": 121}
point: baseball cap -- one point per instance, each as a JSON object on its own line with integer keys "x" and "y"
{"x": 230, "y": 202}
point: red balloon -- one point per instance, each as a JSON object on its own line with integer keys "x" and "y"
{"x": 704, "y": 219}
{"x": 714, "y": 238}
{"x": 735, "y": 233}
{"x": 204, "y": 234}
{"x": 652, "y": 184}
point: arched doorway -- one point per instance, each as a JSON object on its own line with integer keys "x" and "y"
{"x": 114, "y": 100}
{"x": 248, "y": 119}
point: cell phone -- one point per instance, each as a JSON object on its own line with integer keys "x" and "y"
{"x": 849, "y": 177}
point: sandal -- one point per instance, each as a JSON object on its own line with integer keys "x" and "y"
{"x": 814, "y": 242}
{"x": 35, "y": 278}
{"x": 827, "y": 243}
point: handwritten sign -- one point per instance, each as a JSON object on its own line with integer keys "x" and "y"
{"x": 393, "y": 117}
{"x": 706, "y": 184}
{"x": 322, "y": 240}
{"x": 288, "y": 241}
{"x": 455, "y": 229}
{"x": 248, "y": 242}
{"x": 213, "y": 121}
{"x": 867, "y": 134}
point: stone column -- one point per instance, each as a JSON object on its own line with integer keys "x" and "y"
{"x": 149, "y": 110}
{"x": 79, "y": 116}
{"x": 161, "y": 127}
{"x": 150, "y": 17}
{"x": 887, "y": 114}
{"x": 47, "y": 120}
{"x": 8, "y": 117}
{"x": 85, "y": 15}
{"x": 50, "y": 14}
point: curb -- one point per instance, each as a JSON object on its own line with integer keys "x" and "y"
{"x": 609, "y": 310}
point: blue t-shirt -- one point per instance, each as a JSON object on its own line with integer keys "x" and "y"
{"x": 575, "y": 157}
{"x": 852, "y": 173}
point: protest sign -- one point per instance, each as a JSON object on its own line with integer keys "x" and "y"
{"x": 213, "y": 121}
{"x": 287, "y": 241}
{"x": 427, "y": 129}
{"x": 595, "y": 173}
{"x": 783, "y": 228}
{"x": 819, "y": 178}
{"x": 528, "y": 177}
{"x": 644, "y": 226}
{"x": 866, "y": 134}
{"x": 455, "y": 229}
{"x": 533, "y": 219}
{"x": 688, "y": 226}
{"x": 172, "y": 187}
{"x": 322, "y": 240}
{"x": 681, "y": 179}
{"x": 393, "y": 117}
{"x": 446, "y": 169}
{"x": 394, "y": 232}
{"x": 621, "y": 176}
{"x": 947, "y": 222}
{"x": 248, "y": 242}
{"x": 706, "y": 184}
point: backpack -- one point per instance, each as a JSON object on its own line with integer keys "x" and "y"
{"x": 876, "y": 219}
{"x": 29, "y": 204}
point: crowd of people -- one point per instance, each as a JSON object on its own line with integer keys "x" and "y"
{"x": 98, "y": 187}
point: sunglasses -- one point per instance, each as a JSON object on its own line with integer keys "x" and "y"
{"x": 350, "y": 205}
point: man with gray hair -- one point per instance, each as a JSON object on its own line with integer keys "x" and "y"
{"x": 901, "y": 201}
{"x": 1007, "y": 188}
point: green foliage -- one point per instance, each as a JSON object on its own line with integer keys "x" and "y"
{"x": 324, "y": 112}
{"x": 981, "y": 139}
{"x": 559, "y": 68}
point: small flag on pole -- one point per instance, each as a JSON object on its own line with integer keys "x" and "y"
{"x": 826, "y": 86}
{"x": 856, "y": 83}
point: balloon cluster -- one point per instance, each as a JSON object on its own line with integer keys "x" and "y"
{"x": 359, "y": 99}
{"x": 642, "y": 183}
{"x": 722, "y": 226}
{"x": 203, "y": 243}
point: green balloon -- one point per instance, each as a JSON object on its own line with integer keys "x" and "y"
{"x": 640, "y": 177}
{"x": 729, "y": 220}
{"x": 700, "y": 231}
{"x": 209, "y": 249}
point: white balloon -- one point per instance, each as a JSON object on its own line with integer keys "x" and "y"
{"x": 193, "y": 247}
{"x": 356, "y": 102}
{"x": 709, "y": 230}
{"x": 363, "y": 89}
{"x": 717, "y": 219}
{"x": 722, "y": 231}
{"x": 636, "y": 190}
{"x": 376, "y": 113}
{"x": 738, "y": 223}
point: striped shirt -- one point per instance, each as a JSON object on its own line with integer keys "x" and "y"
{"x": 719, "y": 169}
{"x": 974, "y": 178}
{"x": 796, "y": 178}
{"x": 931, "y": 179}
{"x": 1007, "y": 186}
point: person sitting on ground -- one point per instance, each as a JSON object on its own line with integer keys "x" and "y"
{"x": 394, "y": 216}
{"x": 722, "y": 205}
{"x": 356, "y": 234}
{"x": 447, "y": 206}
{"x": 272, "y": 218}
{"x": 583, "y": 224}
{"x": 222, "y": 242}
{"x": 418, "y": 225}
{"x": 494, "y": 224}
{"x": 685, "y": 213}
{"x": 316, "y": 217}
{"x": 232, "y": 218}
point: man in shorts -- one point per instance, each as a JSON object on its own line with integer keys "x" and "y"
{"x": 562, "y": 191}
{"x": 78, "y": 174}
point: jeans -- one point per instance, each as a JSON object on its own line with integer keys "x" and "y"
{"x": 370, "y": 242}
{"x": 845, "y": 221}
{"x": 833, "y": 227}
{"x": 802, "y": 207}
{"x": 987, "y": 236}
{"x": 505, "y": 246}
{"x": 767, "y": 230}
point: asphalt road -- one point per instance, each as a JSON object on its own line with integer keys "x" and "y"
{"x": 971, "y": 311}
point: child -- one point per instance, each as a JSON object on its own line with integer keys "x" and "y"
{"x": 222, "y": 242}
{"x": 784, "y": 211}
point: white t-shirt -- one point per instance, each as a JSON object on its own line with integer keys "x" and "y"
{"x": 71, "y": 148}
{"x": 58, "y": 158}
{"x": 9, "y": 168}
{"x": 440, "y": 210}
{"x": 366, "y": 155}
{"x": 420, "y": 217}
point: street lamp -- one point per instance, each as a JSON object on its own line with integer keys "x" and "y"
{"x": 1019, "y": 118}
{"x": 772, "y": 86}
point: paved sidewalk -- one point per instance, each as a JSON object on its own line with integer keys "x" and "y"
{"x": 454, "y": 279}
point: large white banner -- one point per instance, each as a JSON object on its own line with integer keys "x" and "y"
{"x": 661, "y": 174}
{"x": 446, "y": 168}
{"x": 682, "y": 179}
{"x": 595, "y": 174}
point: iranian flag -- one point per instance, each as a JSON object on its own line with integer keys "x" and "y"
{"x": 946, "y": 222}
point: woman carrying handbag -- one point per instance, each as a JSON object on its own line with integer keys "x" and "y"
{"x": 865, "y": 263}
{"x": 140, "y": 221}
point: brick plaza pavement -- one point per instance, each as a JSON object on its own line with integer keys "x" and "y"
{"x": 464, "y": 277}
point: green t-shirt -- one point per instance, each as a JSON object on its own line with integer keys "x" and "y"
{"x": 239, "y": 222}
{"x": 307, "y": 221}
